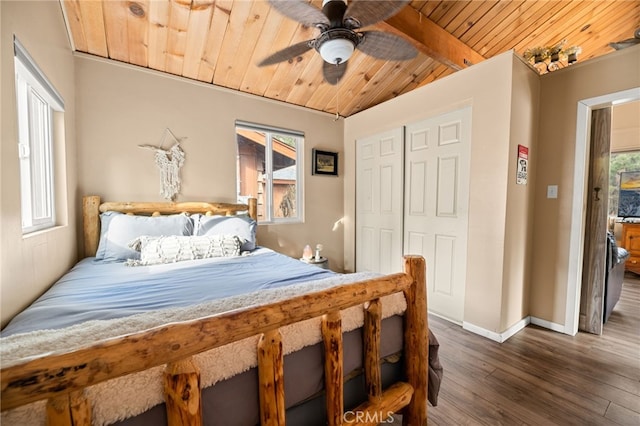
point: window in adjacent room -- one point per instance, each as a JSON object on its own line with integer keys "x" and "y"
{"x": 268, "y": 169}
{"x": 625, "y": 161}
{"x": 37, "y": 103}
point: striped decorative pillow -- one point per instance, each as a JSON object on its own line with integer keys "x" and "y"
{"x": 174, "y": 248}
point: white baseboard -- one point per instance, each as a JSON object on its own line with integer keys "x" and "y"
{"x": 550, "y": 325}
{"x": 497, "y": 337}
{"x": 445, "y": 318}
{"x": 502, "y": 337}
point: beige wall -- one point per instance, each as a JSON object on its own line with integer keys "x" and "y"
{"x": 487, "y": 87}
{"x": 30, "y": 264}
{"x": 122, "y": 106}
{"x": 519, "y": 219}
{"x": 560, "y": 93}
{"x": 625, "y": 127}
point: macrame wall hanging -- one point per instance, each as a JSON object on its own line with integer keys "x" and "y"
{"x": 169, "y": 162}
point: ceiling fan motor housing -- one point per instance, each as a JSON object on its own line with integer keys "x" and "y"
{"x": 334, "y": 11}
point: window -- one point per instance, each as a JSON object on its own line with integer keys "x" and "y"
{"x": 627, "y": 161}
{"x": 268, "y": 169}
{"x": 37, "y": 102}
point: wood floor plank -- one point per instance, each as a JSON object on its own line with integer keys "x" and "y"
{"x": 541, "y": 377}
{"x": 622, "y": 415}
{"x": 466, "y": 376}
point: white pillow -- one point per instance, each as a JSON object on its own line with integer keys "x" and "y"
{"x": 118, "y": 229}
{"x": 242, "y": 226}
{"x": 174, "y": 248}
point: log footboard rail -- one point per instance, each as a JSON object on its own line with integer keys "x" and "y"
{"x": 62, "y": 377}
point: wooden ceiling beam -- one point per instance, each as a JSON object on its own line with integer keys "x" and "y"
{"x": 431, "y": 39}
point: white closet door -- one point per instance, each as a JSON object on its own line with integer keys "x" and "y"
{"x": 436, "y": 206}
{"x": 379, "y": 204}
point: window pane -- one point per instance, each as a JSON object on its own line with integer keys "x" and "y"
{"x": 267, "y": 168}
{"x": 251, "y": 167}
{"x": 40, "y": 158}
{"x": 284, "y": 176}
{"x": 36, "y": 101}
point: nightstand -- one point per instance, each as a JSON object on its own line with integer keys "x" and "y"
{"x": 322, "y": 263}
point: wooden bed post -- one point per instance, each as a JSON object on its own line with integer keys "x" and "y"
{"x": 271, "y": 379}
{"x": 253, "y": 208}
{"x": 416, "y": 342}
{"x": 91, "y": 224}
{"x": 333, "y": 366}
{"x": 372, "y": 327}
{"x": 182, "y": 393}
{"x": 72, "y": 409}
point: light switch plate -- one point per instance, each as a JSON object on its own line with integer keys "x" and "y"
{"x": 552, "y": 191}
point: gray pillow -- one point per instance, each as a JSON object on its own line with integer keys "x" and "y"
{"x": 118, "y": 230}
{"x": 241, "y": 226}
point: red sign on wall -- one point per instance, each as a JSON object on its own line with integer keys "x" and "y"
{"x": 523, "y": 162}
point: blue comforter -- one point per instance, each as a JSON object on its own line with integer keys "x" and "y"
{"x": 93, "y": 290}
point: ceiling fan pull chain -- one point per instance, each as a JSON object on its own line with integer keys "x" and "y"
{"x": 337, "y": 103}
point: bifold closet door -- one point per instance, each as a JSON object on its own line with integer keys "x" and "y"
{"x": 379, "y": 205}
{"x": 437, "y": 163}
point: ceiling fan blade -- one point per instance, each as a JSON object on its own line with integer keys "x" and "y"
{"x": 287, "y": 53}
{"x": 368, "y": 12}
{"x": 618, "y": 45}
{"x": 386, "y": 46}
{"x": 333, "y": 73}
{"x": 301, "y": 11}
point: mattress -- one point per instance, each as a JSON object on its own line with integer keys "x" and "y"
{"x": 94, "y": 292}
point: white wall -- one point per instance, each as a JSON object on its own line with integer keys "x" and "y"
{"x": 31, "y": 263}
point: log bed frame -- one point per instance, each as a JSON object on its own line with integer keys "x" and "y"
{"x": 62, "y": 377}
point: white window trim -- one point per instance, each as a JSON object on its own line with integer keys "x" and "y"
{"x": 32, "y": 88}
{"x": 269, "y": 130}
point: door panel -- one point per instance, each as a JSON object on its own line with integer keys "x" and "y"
{"x": 379, "y": 202}
{"x": 436, "y": 204}
{"x": 447, "y": 186}
{"x": 594, "y": 264}
{"x": 444, "y": 265}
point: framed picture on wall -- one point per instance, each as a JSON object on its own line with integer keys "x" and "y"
{"x": 325, "y": 163}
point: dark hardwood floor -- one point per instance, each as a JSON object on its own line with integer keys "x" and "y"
{"x": 540, "y": 377}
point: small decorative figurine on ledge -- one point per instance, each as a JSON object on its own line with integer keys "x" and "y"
{"x": 307, "y": 254}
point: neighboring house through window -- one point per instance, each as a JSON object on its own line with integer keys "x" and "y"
{"x": 268, "y": 169}
{"x": 37, "y": 101}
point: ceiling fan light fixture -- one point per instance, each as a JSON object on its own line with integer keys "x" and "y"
{"x": 336, "y": 51}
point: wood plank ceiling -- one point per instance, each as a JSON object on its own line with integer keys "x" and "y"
{"x": 221, "y": 41}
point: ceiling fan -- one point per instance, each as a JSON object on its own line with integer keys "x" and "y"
{"x": 338, "y": 24}
{"x": 628, "y": 42}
